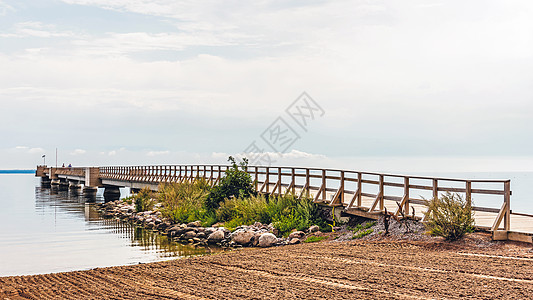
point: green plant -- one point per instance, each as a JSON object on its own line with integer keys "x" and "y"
{"x": 449, "y": 216}
{"x": 235, "y": 183}
{"x": 289, "y": 212}
{"x": 129, "y": 199}
{"x": 313, "y": 239}
{"x": 362, "y": 233}
{"x": 144, "y": 200}
{"x": 183, "y": 202}
{"x": 364, "y": 226}
{"x": 246, "y": 210}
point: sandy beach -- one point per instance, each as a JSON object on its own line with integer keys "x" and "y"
{"x": 373, "y": 269}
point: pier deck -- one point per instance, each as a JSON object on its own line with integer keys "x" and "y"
{"x": 357, "y": 193}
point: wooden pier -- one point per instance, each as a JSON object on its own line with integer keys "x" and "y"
{"x": 362, "y": 194}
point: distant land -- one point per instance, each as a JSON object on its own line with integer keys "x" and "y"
{"x": 17, "y": 171}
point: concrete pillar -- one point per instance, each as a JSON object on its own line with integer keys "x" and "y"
{"x": 111, "y": 193}
{"x": 63, "y": 184}
{"x": 45, "y": 181}
{"x": 74, "y": 184}
{"x": 92, "y": 177}
{"x": 89, "y": 192}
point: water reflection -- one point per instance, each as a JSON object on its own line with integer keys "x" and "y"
{"x": 49, "y": 229}
{"x": 76, "y": 205}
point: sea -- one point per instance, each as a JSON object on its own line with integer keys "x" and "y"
{"x": 47, "y": 231}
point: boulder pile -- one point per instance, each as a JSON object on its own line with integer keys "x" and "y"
{"x": 256, "y": 235}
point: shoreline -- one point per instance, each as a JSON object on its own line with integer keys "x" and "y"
{"x": 375, "y": 268}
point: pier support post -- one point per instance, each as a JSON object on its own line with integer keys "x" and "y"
{"x": 111, "y": 193}
{"x": 45, "y": 181}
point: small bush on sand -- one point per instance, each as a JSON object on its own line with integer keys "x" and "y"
{"x": 143, "y": 200}
{"x": 450, "y": 217}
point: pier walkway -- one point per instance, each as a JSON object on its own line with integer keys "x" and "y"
{"x": 363, "y": 194}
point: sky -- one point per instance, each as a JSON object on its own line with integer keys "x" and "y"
{"x": 401, "y": 86}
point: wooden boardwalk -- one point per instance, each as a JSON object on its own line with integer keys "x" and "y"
{"x": 363, "y": 194}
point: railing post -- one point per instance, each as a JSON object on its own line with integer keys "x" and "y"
{"x": 267, "y": 180}
{"x": 468, "y": 189}
{"x": 307, "y": 181}
{"x": 279, "y": 181}
{"x": 381, "y": 192}
{"x": 323, "y": 185}
{"x": 256, "y": 181}
{"x": 359, "y": 188}
{"x": 293, "y": 180}
{"x": 341, "y": 188}
{"x": 507, "y": 216}
{"x": 406, "y": 195}
{"x": 435, "y": 189}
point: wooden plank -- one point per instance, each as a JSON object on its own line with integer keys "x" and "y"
{"x": 488, "y": 192}
{"x": 520, "y": 237}
{"x": 499, "y": 218}
{"x": 375, "y": 203}
{"x": 320, "y": 191}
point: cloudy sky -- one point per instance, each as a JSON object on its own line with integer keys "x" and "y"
{"x": 166, "y": 81}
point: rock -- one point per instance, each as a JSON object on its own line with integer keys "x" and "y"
{"x": 216, "y": 237}
{"x": 314, "y": 228}
{"x": 209, "y": 230}
{"x": 190, "y": 229}
{"x": 297, "y": 235}
{"x": 243, "y": 237}
{"x": 189, "y": 235}
{"x": 195, "y": 224}
{"x": 267, "y": 240}
{"x": 201, "y": 235}
{"x": 294, "y": 241}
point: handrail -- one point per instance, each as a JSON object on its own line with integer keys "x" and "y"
{"x": 322, "y": 183}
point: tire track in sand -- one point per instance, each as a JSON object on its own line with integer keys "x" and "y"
{"x": 313, "y": 280}
{"x": 361, "y": 261}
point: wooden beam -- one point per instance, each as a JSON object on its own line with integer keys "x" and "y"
{"x": 499, "y": 218}
{"x": 376, "y": 201}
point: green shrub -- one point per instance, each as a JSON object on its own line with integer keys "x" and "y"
{"x": 450, "y": 217}
{"x": 235, "y": 183}
{"x": 313, "y": 239}
{"x": 289, "y": 212}
{"x": 362, "y": 233}
{"x": 284, "y": 212}
{"x": 129, "y": 199}
{"x": 183, "y": 202}
{"x": 364, "y": 226}
{"x": 246, "y": 210}
{"x": 143, "y": 200}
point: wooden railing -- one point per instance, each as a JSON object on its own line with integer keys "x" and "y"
{"x": 331, "y": 186}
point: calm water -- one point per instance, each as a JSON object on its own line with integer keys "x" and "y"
{"x": 45, "y": 231}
